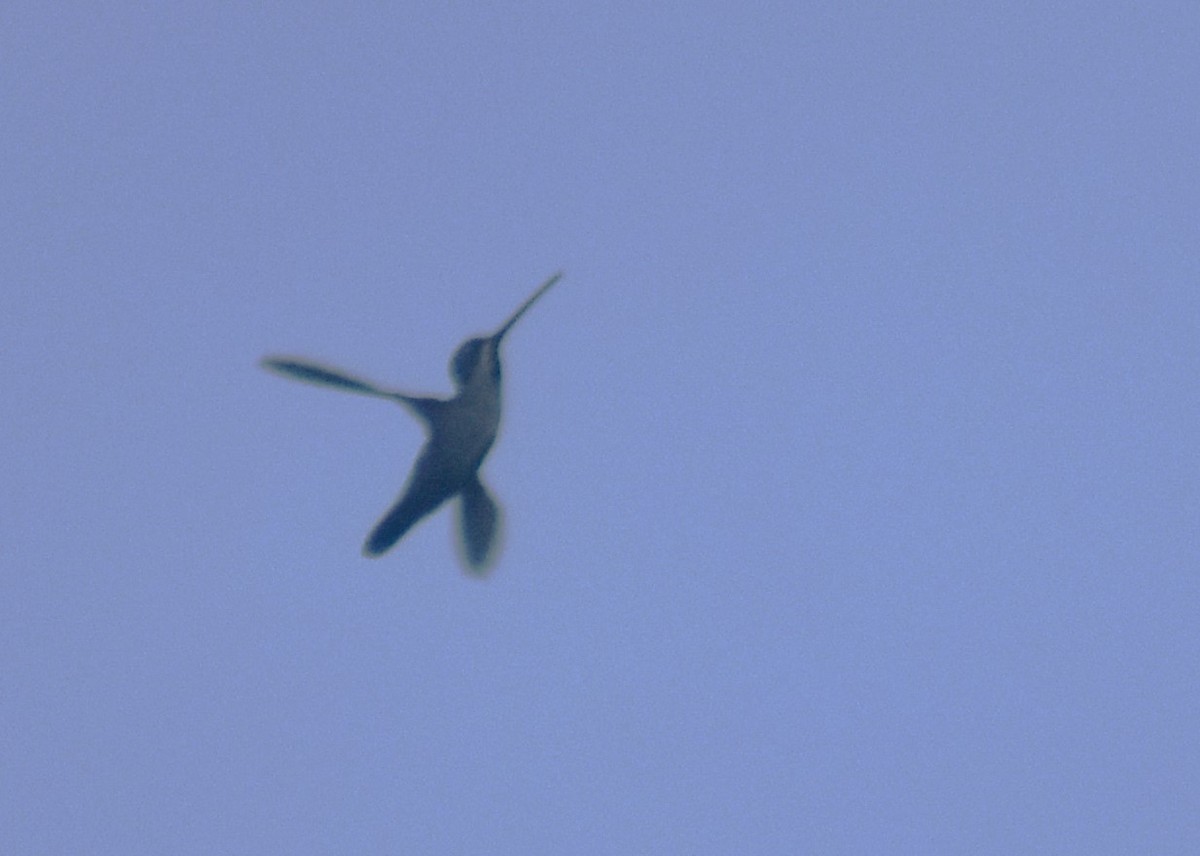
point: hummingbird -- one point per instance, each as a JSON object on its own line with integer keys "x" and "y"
{"x": 461, "y": 431}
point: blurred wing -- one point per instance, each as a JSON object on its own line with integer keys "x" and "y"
{"x": 427, "y": 489}
{"x": 324, "y": 376}
{"x": 479, "y": 526}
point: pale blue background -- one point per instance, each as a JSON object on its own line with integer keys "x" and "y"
{"x": 850, "y": 473}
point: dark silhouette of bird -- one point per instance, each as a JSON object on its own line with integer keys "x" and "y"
{"x": 461, "y": 432}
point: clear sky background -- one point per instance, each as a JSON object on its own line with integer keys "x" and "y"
{"x": 850, "y": 473}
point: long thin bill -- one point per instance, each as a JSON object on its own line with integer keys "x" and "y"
{"x": 516, "y": 316}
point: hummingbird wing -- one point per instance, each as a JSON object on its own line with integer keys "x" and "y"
{"x": 324, "y": 376}
{"x": 479, "y": 525}
{"x": 432, "y": 482}
{"x": 310, "y": 372}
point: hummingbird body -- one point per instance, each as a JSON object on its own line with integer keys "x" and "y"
{"x": 470, "y": 421}
{"x": 461, "y": 432}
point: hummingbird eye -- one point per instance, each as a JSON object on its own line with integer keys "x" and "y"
{"x": 465, "y": 360}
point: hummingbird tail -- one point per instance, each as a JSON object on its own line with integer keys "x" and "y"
{"x": 479, "y": 526}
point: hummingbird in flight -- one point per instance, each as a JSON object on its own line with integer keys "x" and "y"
{"x": 460, "y": 430}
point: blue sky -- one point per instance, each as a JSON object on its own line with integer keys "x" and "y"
{"x": 849, "y": 473}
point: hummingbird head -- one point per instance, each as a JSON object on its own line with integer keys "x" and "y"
{"x": 472, "y": 356}
{"x": 483, "y": 354}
